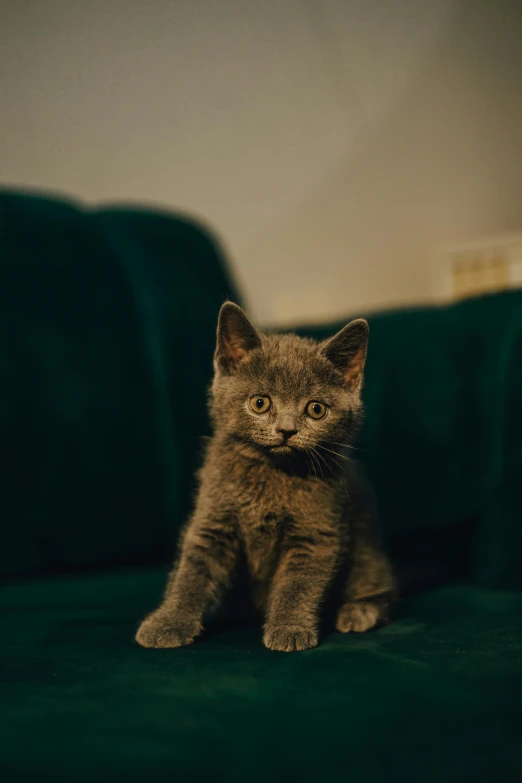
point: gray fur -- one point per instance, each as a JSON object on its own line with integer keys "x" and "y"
{"x": 278, "y": 488}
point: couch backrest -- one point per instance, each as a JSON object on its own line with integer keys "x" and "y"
{"x": 108, "y": 323}
{"x": 443, "y": 433}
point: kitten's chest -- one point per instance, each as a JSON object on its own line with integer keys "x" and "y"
{"x": 270, "y": 506}
{"x": 262, "y": 531}
{"x": 265, "y": 509}
{"x": 265, "y": 522}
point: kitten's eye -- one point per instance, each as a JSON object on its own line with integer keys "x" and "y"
{"x": 316, "y": 410}
{"x": 260, "y": 403}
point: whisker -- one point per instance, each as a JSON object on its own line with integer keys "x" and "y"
{"x": 310, "y": 461}
{"x": 318, "y": 461}
{"x": 321, "y": 457}
{"x": 344, "y": 445}
{"x": 341, "y": 468}
{"x": 357, "y": 461}
{"x": 342, "y": 456}
{"x": 356, "y": 448}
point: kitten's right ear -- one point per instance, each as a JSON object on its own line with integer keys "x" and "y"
{"x": 235, "y": 338}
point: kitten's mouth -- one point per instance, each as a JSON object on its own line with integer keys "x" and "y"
{"x": 281, "y": 448}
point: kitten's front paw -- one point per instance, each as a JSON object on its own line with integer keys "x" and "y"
{"x": 290, "y": 639}
{"x": 358, "y": 616}
{"x": 159, "y": 630}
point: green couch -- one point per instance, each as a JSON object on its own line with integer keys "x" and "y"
{"x": 107, "y": 318}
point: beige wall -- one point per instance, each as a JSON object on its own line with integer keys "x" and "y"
{"x": 335, "y": 146}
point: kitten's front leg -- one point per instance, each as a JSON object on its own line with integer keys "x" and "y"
{"x": 301, "y": 580}
{"x": 208, "y": 555}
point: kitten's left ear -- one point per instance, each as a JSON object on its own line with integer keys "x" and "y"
{"x": 235, "y": 338}
{"x": 347, "y": 351}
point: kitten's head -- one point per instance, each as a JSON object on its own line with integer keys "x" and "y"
{"x": 282, "y": 395}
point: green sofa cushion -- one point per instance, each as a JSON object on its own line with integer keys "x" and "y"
{"x": 435, "y": 696}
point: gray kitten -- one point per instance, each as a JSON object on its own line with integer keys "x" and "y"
{"x": 278, "y": 490}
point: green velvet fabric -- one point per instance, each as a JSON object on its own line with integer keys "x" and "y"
{"x": 107, "y": 320}
{"x": 442, "y": 439}
{"x": 436, "y": 696}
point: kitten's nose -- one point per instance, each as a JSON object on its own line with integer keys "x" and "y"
{"x": 285, "y": 431}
